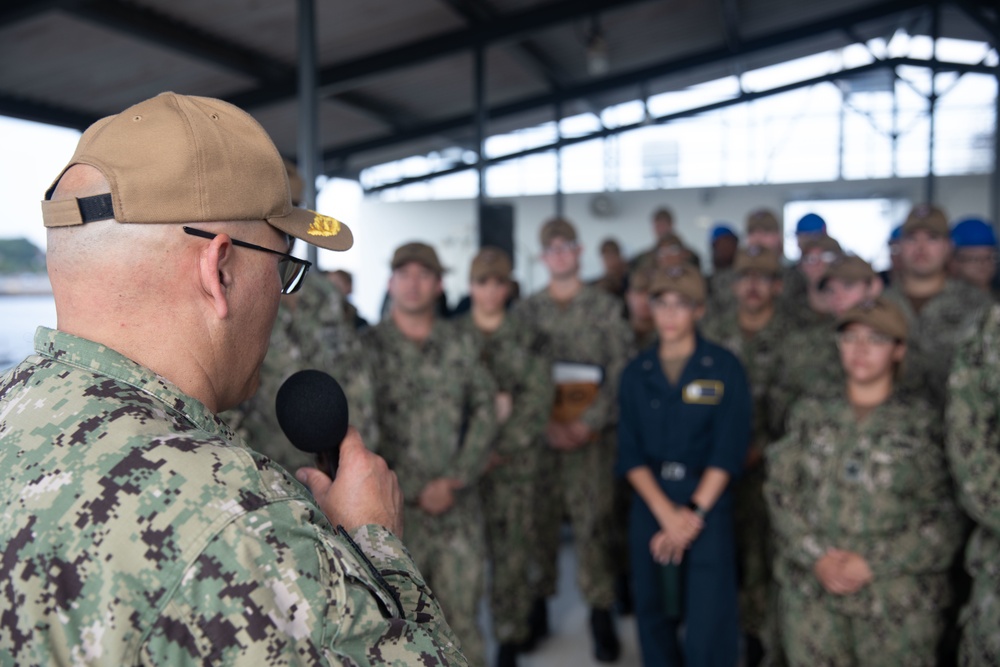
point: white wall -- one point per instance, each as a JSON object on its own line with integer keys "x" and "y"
{"x": 450, "y": 226}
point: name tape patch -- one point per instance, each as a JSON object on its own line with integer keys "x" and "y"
{"x": 704, "y": 392}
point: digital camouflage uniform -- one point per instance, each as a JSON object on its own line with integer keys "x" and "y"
{"x": 934, "y": 335}
{"x": 513, "y": 354}
{"x": 588, "y": 329}
{"x": 315, "y": 333}
{"x": 437, "y": 418}
{"x": 137, "y": 528}
{"x": 760, "y": 355}
{"x": 808, "y": 365}
{"x": 973, "y": 445}
{"x": 879, "y": 488}
{"x": 720, "y": 292}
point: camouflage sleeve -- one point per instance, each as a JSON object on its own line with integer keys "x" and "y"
{"x": 973, "y": 436}
{"x": 787, "y": 490}
{"x": 616, "y": 339}
{"x": 274, "y": 588}
{"x": 533, "y": 397}
{"x": 354, "y": 369}
{"x": 786, "y": 387}
{"x": 480, "y": 429}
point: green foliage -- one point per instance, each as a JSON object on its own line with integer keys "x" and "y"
{"x": 21, "y": 256}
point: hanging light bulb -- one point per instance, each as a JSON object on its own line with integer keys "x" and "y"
{"x": 597, "y": 51}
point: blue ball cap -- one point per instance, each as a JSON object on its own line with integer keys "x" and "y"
{"x": 896, "y": 234}
{"x": 721, "y": 230}
{"x": 973, "y": 232}
{"x": 810, "y": 223}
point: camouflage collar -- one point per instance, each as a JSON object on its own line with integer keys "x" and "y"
{"x": 98, "y": 359}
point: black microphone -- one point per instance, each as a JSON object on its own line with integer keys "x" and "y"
{"x": 312, "y": 411}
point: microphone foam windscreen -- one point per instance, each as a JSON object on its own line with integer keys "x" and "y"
{"x": 312, "y": 411}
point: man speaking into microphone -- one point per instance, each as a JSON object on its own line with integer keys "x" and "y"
{"x": 137, "y": 527}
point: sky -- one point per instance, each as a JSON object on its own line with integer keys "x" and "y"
{"x": 31, "y": 156}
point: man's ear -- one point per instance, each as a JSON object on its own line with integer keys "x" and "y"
{"x": 216, "y": 272}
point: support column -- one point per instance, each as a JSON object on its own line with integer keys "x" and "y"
{"x": 560, "y": 197}
{"x": 932, "y": 103}
{"x": 308, "y": 109}
{"x": 995, "y": 184}
{"x": 479, "y": 91}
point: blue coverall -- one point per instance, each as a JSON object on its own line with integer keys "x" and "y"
{"x": 704, "y": 421}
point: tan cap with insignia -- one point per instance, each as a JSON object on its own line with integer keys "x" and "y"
{"x": 757, "y": 259}
{"x": 557, "y": 227}
{"x": 849, "y": 269}
{"x": 763, "y": 220}
{"x": 928, "y": 217}
{"x": 183, "y": 159}
{"x": 880, "y": 314}
{"x": 421, "y": 253}
{"x": 684, "y": 279}
{"x": 490, "y": 262}
{"x": 823, "y": 243}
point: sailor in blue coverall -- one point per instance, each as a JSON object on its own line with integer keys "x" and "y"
{"x": 680, "y": 443}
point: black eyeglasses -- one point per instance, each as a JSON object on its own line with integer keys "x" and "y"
{"x": 291, "y": 268}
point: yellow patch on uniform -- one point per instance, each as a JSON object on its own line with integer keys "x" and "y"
{"x": 704, "y": 392}
{"x": 323, "y": 225}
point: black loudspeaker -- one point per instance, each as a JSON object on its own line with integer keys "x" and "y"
{"x": 496, "y": 227}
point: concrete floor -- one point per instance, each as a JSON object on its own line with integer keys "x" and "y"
{"x": 568, "y": 644}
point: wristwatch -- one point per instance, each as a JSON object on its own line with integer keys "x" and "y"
{"x": 697, "y": 509}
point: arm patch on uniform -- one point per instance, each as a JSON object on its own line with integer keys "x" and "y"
{"x": 704, "y": 392}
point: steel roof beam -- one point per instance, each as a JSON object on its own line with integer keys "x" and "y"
{"x": 634, "y": 77}
{"x": 688, "y": 113}
{"x": 39, "y": 112}
{"x": 509, "y": 27}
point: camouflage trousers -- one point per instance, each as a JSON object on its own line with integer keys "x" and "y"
{"x": 579, "y": 484}
{"x": 509, "y": 506}
{"x": 814, "y": 634}
{"x": 980, "y": 646}
{"x": 450, "y": 550}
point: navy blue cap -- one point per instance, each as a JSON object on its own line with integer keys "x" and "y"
{"x": 720, "y": 230}
{"x": 973, "y": 232}
{"x": 896, "y": 234}
{"x": 810, "y": 223}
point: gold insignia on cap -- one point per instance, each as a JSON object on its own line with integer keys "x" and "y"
{"x": 323, "y": 225}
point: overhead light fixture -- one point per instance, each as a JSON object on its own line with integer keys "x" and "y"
{"x": 597, "y": 50}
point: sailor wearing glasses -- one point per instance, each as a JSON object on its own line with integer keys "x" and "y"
{"x": 862, "y": 505}
{"x": 684, "y": 429}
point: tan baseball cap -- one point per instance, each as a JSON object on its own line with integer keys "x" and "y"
{"x": 557, "y": 227}
{"x": 757, "y": 259}
{"x": 684, "y": 279}
{"x": 490, "y": 262}
{"x": 183, "y": 159}
{"x": 927, "y": 217}
{"x": 849, "y": 268}
{"x": 296, "y": 185}
{"x": 880, "y": 314}
{"x": 421, "y": 253}
{"x": 823, "y": 243}
{"x": 640, "y": 278}
{"x": 763, "y": 220}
